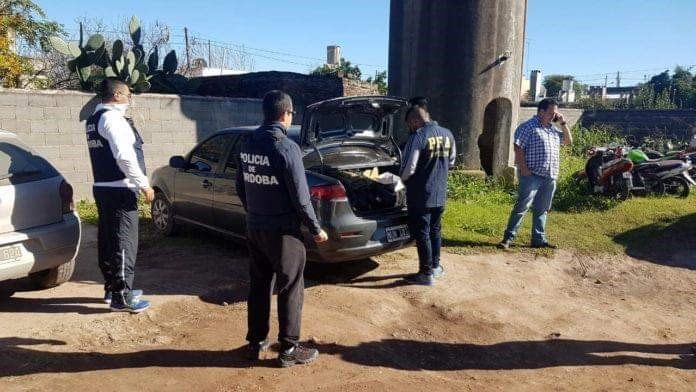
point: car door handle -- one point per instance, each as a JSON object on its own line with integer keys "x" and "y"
{"x": 206, "y": 184}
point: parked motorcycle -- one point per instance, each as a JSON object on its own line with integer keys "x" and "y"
{"x": 609, "y": 172}
{"x": 686, "y": 156}
{"x": 660, "y": 176}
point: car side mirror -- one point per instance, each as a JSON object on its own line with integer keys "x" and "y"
{"x": 177, "y": 162}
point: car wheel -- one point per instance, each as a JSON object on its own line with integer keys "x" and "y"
{"x": 163, "y": 215}
{"x": 53, "y": 277}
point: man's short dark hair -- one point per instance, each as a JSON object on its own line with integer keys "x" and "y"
{"x": 275, "y": 104}
{"x": 417, "y": 112}
{"x": 419, "y": 101}
{"x": 545, "y": 103}
{"x": 109, "y": 87}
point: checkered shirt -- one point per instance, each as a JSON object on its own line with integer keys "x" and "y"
{"x": 541, "y": 147}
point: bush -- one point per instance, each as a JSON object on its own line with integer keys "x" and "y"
{"x": 473, "y": 189}
{"x": 584, "y": 138}
{"x": 572, "y": 194}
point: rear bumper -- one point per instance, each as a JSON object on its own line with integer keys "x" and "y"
{"x": 42, "y": 247}
{"x": 357, "y": 238}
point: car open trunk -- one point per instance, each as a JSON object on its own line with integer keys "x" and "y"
{"x": 351, "y": 140}
{"x": 367, "y": 172}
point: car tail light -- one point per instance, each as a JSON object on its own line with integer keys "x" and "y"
{"x": 334, "y": 192}
{"x": 66, "y": 197}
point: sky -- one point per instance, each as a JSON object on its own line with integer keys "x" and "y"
{"x": 588, "y": 39}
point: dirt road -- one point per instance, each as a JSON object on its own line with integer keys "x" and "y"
{"x": 494, "y": 322}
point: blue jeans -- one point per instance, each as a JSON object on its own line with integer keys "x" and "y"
{"x": 537, "y": 192}
{"x": 425, "y": 226}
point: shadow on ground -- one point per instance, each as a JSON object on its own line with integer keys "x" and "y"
{"x": 415, "y": 355}
{"x": 196, "y": 263}
{"x": 668, "y": 242}
{"x": 18, "y": 360}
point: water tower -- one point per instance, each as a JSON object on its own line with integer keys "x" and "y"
{"x": 466, "y": 57}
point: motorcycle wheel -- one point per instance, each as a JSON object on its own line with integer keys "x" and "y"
{"x": 654, "y": 186}
{"x": 624, "y": 190}
{"x": 676, "y": 186}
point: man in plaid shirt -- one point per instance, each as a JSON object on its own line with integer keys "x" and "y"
{"x": 537, "y": 157}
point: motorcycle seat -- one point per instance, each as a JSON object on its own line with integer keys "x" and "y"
{"x": 661, "y": 165}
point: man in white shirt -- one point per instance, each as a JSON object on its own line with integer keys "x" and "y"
{"x": 118, "y": 166}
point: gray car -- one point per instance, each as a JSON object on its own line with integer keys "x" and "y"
{"x": 351, "y": 161}
{"x": 39, "y": 229}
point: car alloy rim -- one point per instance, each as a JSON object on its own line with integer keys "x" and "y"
{"x": 160, "y": 214}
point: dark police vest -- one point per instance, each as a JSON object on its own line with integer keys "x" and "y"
{"x": 104, "y": 166}
{"x": 427, "y": 187}
{"x": 261, "y": 161}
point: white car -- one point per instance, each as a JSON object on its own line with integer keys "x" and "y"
{"x": 39, "y": 229}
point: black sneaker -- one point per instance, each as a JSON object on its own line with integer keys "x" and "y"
{"x": 505, "y": 244}
{"x": 253, "y": 350}
{"x": 297, "y": 355}
{"x": 544, "y": 245}
{"x": 420, "y": 279}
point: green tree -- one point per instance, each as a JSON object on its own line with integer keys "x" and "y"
{"x": 380, "y": 80}
{"x": 26, "y": 21}
{"x": 683, "y": 88}
{"x": 345, "y": 67}
{"x": 554, "y": 84}
{"x": 661, "y": 82}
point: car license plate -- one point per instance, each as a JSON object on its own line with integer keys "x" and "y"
{"x": 10, "y": 253}
{"x": 398, "y": 233}
{"x": 627, "y": 175}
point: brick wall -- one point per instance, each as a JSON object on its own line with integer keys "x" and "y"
{"x": 304, "y": 89}
{"x": 53, "y": 124}
{"x": 354, "y": 88}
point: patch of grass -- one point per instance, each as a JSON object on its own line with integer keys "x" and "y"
{"x": 478, "y": 210}
{"x": 87, "y": 212}
{"x": 481, "y": 224}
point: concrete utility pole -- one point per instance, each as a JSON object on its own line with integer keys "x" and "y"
{"x": 618, "y": 79}
{"x": 466, "y": 56}
{"x": 188, "y": 51}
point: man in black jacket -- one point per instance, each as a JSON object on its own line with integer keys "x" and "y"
{"x": 118, "y": 167}
{"x": 271, "y": 184}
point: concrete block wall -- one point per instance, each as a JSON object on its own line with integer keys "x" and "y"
{"x": 572, "y": 116}
{"x": 53, "y": 124}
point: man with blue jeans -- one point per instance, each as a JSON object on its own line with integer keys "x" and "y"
{"x": 428, "y": 155}
{"x": 537, "y": 156}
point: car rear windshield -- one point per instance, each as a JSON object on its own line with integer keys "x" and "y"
{"x": 349, "y": 124}
{"x": 18, "y": 164}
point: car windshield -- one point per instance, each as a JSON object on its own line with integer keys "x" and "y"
{"x": 348, "y": 124}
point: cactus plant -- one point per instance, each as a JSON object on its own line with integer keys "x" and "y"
{"x": 126, "y": 65}
{"x": 83, "y": 56}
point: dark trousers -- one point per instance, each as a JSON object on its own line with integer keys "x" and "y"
{"x": 426, "y": 226}
{"x": 281, "y": 253}
{"x": 117, "y": 239}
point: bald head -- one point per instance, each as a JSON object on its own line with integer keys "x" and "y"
{"x": 416, "y": 117}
